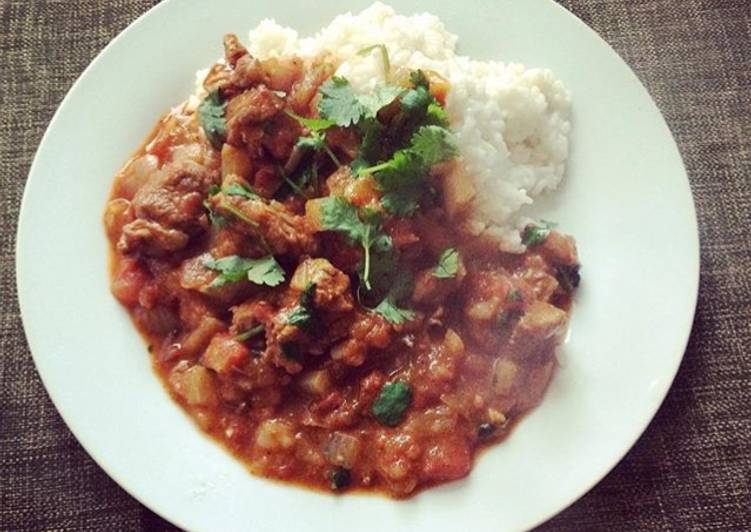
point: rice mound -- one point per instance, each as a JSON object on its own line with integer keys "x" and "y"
{"x": 511, "y": 123}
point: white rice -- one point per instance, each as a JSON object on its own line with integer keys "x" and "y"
{"x": 511, "y": 123}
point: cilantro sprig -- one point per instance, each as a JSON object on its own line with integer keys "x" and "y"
{"x": 211, "y": 117}
{"x": 337, "y": 214}
{"x": 302, "y": 315}
{"x": 388, "y": 308}
{"x": 401, "y": 177}
{"x": 232, "y": 269}
{"x": 392, "y": 403}
{"x": 448, "y": 264}
{"x": 536, "y": 233}
{"x": 340, "y": 104}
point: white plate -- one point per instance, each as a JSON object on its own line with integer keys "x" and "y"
{"x": 626, "y": 199}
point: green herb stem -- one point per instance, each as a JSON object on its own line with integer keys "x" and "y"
{"x": 250, "y": 333}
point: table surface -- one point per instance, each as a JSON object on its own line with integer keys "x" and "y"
{"x": 691, "y": 470}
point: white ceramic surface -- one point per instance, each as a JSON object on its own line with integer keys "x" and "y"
{"x": 626, "y": 199}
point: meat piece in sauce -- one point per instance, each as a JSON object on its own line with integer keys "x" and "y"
{"x": 285, "y": 232}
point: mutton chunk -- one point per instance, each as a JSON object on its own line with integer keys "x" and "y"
{"x": 284, "y": 232}
{"x": 168, "y": 209}
{"x": 151, "y": 238}
{"x": 538, "y": 332}
{"x": 332, "y": 292}
{"x": 253, "y": 106}
{"x": 233, "y": 49}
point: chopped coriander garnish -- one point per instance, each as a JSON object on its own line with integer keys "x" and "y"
{"x": 312, "y": 124}
{"x": 388, "y": 308}
{"x": 419, "y": 79}
{"x": 211, "y": 117}
{"x": 392, "y": 402}
{"x": 401, "y": 177}
{"x": 434, "y": 144}
{"x": 536, "y": 233}
{"x": 339, "y": 215}
{"x": 232, "y": 269}
{"x": 378, "y": 98}
{"x": 339, "y": 103}
{"x": 236, "y": 189}
{"x": 302, "y": 315}
{"x": 250, "y": 333}
{"x": 392, "y": 313}
{"x": 448, "y": 264}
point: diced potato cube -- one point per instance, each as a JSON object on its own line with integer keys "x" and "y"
{"x": 458, "y": 191}
{"x": 453, "y": 342}
{"x": 342, "y": 449}
{"x": 224, "y": 354}
{"x": 235, "y": 162}
{"x": 275, "y": 434}
{"x": 313, "y": 212}
{"x": 116, "y": 215}
{"x": 504, "y": 376}
{"x": 538, "y": 330}
{"x": 543, "y": 320}
{"x": 316, "y": 382}
{"x": 196, "y": 385}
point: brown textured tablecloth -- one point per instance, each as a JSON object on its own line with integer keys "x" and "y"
{"x": 692, "y": 468}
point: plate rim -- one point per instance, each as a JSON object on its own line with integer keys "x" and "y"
{"x": 99, "y": 458}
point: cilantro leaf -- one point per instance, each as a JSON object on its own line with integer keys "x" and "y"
{"x": 448, "y": 264}
{"x": 265, "y": 271}
{"x": 232, "y": 269}
{"x": 536, "y": 233}
{"x": 339, "y": 215}
{"x": 302, "y": 315}
{"x": 393, "y": 313}
{"x": 417, "y": 100}
{"x": 379, "y": 98}
{"x": 402, "y": 202}
{"x": 401, "y": 177}
{"x": 433, "y": 144}
{"x": 312, "y": 124}
{"x": 371, "y": 146}
{"x": 211, "y": 117}
{"x": 392, "y": 403}
{"x": 389, "y": 309}
{"x": 236, "y": 189}
{"x": 339, "y": 103}
{"x": 436, "y": 115}
{"x": 419, "y": 79}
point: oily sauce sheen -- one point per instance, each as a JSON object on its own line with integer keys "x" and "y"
{"x": 260, "y": 320}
